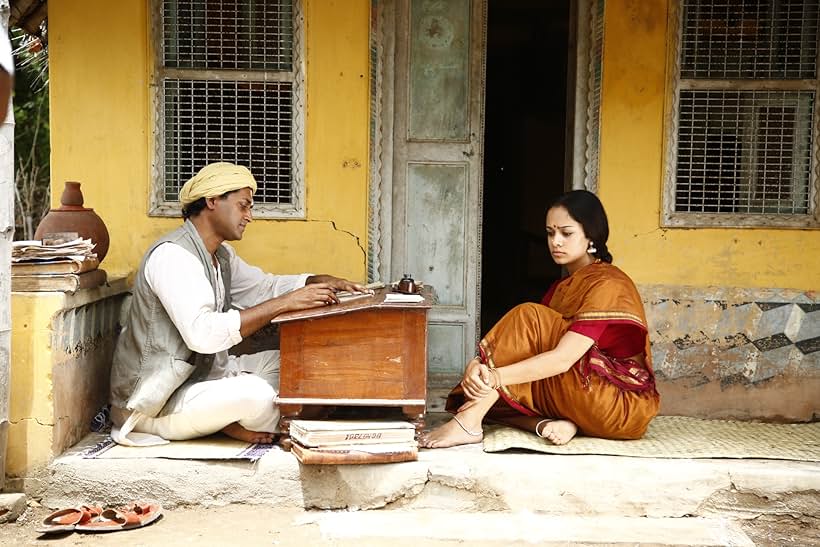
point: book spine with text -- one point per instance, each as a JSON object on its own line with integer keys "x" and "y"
{"x": 55, "y": 267}
{"x": 357, "y": 436}
{"x": 58, "y": 282}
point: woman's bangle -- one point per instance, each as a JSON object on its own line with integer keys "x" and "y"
{"x": 497, "y": 376}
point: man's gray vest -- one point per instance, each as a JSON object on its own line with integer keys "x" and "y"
{"x": 151, "y": 359}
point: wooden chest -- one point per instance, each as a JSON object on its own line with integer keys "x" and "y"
{"x": 361, "y": 353}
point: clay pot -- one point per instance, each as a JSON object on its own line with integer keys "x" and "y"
{"x": 73, "y": 217}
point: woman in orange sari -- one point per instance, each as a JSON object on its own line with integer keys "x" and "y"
{"x": 577, "y": 362}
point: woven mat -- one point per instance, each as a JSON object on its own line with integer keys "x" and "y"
{"x": 208, "y": 448}
{"x": 681, "y": 437}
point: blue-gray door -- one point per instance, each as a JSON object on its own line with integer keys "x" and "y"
{"x": 430, "y": 161}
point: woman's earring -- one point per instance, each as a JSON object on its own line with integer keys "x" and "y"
{"x": 591, "y": 249}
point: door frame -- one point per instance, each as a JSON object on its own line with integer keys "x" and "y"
{"x": 584, "y": 77}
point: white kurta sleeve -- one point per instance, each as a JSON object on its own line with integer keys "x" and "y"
{"x": 176, "y": 277}
{"x": 251, "y": 286}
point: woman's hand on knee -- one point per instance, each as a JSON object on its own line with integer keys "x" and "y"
{"x": 477, "y": 380}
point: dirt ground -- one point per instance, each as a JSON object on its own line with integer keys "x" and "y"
{"x": 245, "y": 525}
{"x": 250, "y": 525}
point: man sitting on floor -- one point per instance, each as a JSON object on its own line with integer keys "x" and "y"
{"x": 193, "y": 299}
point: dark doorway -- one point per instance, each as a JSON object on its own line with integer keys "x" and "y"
{"x": 524, "y": 144}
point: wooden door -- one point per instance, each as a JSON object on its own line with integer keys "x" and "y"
{"x": 430, "y": 91}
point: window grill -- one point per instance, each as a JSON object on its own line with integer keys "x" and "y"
{"x": 247, "y": 123}
{"x": 228, "y": 35}
{"x": 229, "y": 89}
{"x": 744, "y": 133}
{"x": 744, "y": 152}
{"x": 749, "y": 39}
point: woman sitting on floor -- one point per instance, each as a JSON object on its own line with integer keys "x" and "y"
{"x": 579, "y": 361}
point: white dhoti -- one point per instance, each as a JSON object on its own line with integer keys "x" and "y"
{"x": 245, "y": 395}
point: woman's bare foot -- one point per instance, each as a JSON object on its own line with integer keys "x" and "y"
{"x": 456, "y": 432}
{"x": 558, "y": 431}
{"x": 236, "y": 431}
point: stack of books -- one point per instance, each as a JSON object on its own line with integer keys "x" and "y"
{"x": 353, "y": 441}
{"x": 61, "y": 262}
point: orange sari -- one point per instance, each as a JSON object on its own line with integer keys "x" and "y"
{"x": 605, "y": 396}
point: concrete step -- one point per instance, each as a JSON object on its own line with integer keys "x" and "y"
{"x": 526, "y": 527}
{"x": 461, "y": 479}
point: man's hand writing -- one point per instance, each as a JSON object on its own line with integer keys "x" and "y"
{"x": 337, "y": 283}
{"x": 320, "y": 290}
{"x": 309, "y": 296}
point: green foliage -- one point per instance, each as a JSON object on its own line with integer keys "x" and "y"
{"x": 31, "y": 135}
{"x": 31, "y": 119}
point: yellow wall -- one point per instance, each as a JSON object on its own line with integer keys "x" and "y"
{"x": 31, "y": 409}
{"x": 631, "y": 177}
{"x": 101, "y": 134}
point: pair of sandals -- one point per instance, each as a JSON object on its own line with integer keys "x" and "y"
{"x": 90, "y": 518}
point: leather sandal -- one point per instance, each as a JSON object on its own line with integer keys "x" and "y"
{"x": 66, "y": 520}
{"x": 129, "y": 517}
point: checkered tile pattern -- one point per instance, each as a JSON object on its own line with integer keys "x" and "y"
{"x": 732, "y": 335}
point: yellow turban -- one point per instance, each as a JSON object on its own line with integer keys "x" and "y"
{"x": 214, "y": 180}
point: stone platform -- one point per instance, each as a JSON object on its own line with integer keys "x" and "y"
{"x": 462, "y": 479}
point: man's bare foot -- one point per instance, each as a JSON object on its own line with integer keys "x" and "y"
{"x": 456, "y": 432}
{"x": 558, "y": 431}
{"x": 236, "y": 431}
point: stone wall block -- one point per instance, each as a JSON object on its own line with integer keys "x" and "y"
{"x": 659, "y": 317}
{"x": 694, "y": 362}
{"x": 736, "y": 365}
{"x": 774, "y": 320}
{"x": 737, "y": 319}
{"x": 771, "y": 364}
{"x": 696, "y": 320}
{"x": 707, "y": 316}
{"x": 810, "y": 325}
{"x": 794, "y": 322}
{"x": 660, "y": 354}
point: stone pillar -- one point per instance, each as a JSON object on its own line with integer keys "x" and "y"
{"x": 6, "y": 236}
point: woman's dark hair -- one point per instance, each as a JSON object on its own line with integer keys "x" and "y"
{"x": 587, "y": 210}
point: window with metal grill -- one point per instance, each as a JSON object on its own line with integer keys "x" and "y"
{"x": 742, "y": 142}
{"x": 229, "y": 88}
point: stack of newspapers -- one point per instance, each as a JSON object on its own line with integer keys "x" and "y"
{"x": 59, "y": 262}
{"x": 352, "y": 441}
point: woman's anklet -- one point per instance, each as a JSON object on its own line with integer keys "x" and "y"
{"x": 467, "y": 431}
{"x": 538, "y": 426}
